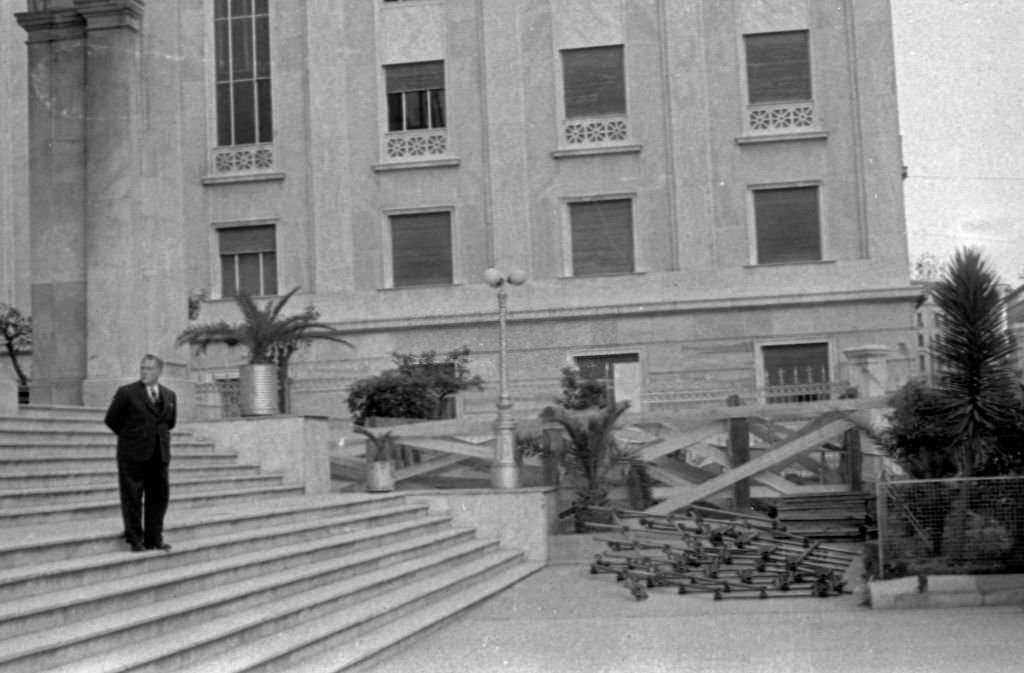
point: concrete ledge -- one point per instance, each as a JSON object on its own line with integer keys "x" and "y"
{"x": 293, "y": 446}
{"x": 947, "y": 591}
{"x": 519, "y": 518}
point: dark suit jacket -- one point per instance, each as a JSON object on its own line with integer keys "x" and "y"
{"x": 141, "y": 427}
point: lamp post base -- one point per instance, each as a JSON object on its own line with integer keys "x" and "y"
{"x": 504, "y": 476}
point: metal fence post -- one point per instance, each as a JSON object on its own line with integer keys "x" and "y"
{"x": 882, "y": 513}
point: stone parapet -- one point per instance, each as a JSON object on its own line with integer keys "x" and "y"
{"x": 947, "y": 591}
{"x": 293, "y": 446}
{"x": 521, "y": 518}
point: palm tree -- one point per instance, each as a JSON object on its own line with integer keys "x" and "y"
{"x": 269, "y": 337}
{"x": 592, "y": 452}
{"x": 978, "y": 403}
{"x": 977, "y": 394}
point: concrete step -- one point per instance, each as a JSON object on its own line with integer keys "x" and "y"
{"x": 324, "y": 560}
{"x": 91, "y": 493}
{"x": 22, "y": 581}
{"x": 367, "y": 651}
{"x": 106, "y": 446}
{"x": 61, "y": 412}
{"x": 44, "y": 543}
{"x": 298, "y": 624}
{"x": 84, "y": 511}
{"x": 13, "y": 480}
{"x": 106, "y": 459}
{"x": 57, "y": 435}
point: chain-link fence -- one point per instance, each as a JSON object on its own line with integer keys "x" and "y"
{"x": 951, "y": 526}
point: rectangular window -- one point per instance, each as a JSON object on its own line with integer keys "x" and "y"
{"x": 421, "y": 249}
{"x": 788, "y": 225}
{"x": 242, "y": 46}
{"x": 248, "y": 261}
{"x": 594, "y": 81}
{"x": 778, "y": 67}
{"x": 796, "y": 372}
{"x": 602, "y": 237}
{"x": 415, "y": 96}
{"x": 620, "y": 372}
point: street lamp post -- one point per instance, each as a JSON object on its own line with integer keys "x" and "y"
{"x": 504, "y": 470}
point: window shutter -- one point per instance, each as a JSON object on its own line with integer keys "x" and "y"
{"x": 422, "y": 76}
{"x": 242, "y": 240}
{"x": 787, "y": 224}
{"x": 594, "y": 81}
{"x": 602, "y": 237}
{"x": 778, "y": 67}
{"x": 421, "y": 248}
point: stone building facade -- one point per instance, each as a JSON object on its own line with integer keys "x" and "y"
{"x": 705, "y": 195}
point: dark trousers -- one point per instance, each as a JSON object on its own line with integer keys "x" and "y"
{"x": 143, "y": 482}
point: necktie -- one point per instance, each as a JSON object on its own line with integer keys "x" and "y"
{"x": 153, "y": 394}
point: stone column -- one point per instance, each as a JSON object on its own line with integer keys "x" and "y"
{"x": 57, "y": 230}
{"x": 118, "y": 270}
{"x": 868, "y": 372}
{"x": 868, "y": 369}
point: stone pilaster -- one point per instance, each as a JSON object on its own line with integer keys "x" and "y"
{"x": 118, "y": 272}
{"x": 57, "y": 230}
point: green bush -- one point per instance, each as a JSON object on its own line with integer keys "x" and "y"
{"x": 419, "y": 386}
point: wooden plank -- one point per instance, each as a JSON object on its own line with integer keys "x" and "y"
{"x": 450, "y": 446}
{"x": 808, "y": 438}
{"x": 348, "y": 470}
{"x": 681, "y": 440}
{"x": 795, "y": 410}
{"x": 430, "y": 466}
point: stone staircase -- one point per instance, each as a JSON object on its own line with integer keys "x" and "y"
{"x": 261, "y": 577}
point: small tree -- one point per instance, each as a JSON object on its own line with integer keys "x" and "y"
{"x": 17, "y": 332}
{"x": 579, "y": 392}
{"x": 417, "y": 387}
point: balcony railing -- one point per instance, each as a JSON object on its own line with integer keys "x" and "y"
{"x": 781, "y": 118}
{"x": 240, "y": 159}
{"x": 416, "y": 145}
{"x": 581, "y": 132}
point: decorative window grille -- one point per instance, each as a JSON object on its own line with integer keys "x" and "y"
{"x": 779, "y": 91}
{"x": 602, "y": 237}
{"x": 417, "y": 116}
{"x": 245, "y": 126}
{"x": 594, "y": 85}
{"x": 248, "y": 260}
{"x": 421, "y": 249}
{"x": 788, "y": 225}
{"x": 796, "y": 373}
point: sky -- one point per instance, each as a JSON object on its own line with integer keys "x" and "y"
{"x": 960, "y": 79}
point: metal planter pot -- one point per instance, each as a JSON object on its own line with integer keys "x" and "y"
{"x": 258, "y": 390}
{"x": 380, "y": 476}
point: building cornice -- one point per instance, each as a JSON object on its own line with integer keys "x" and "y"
{"x": 636, "y": 309}
{"x": 108, "y": 14}
{"x": 56, "y": 20}
{"x": 52, "y": 25}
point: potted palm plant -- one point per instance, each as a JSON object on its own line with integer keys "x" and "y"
{"x": 380, "y": 450}
{"x": 271, "y": 339}
{"x": 591, "y": 454}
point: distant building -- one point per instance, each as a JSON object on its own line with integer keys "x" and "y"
{"x": 705, "y": 196}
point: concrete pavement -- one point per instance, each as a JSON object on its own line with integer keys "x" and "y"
{"x": 565, "y": 620}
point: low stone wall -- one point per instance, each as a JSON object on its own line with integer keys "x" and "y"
{"x": 294, "y": 446}
{"x": 520, "y": 518}
{"x": 947, "y": 591}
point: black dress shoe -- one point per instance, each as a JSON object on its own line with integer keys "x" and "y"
{"x": 163, "y": 546}
{"x": 137, "y": 546}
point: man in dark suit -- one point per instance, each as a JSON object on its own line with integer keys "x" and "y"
{"x": 142, "y": 415}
